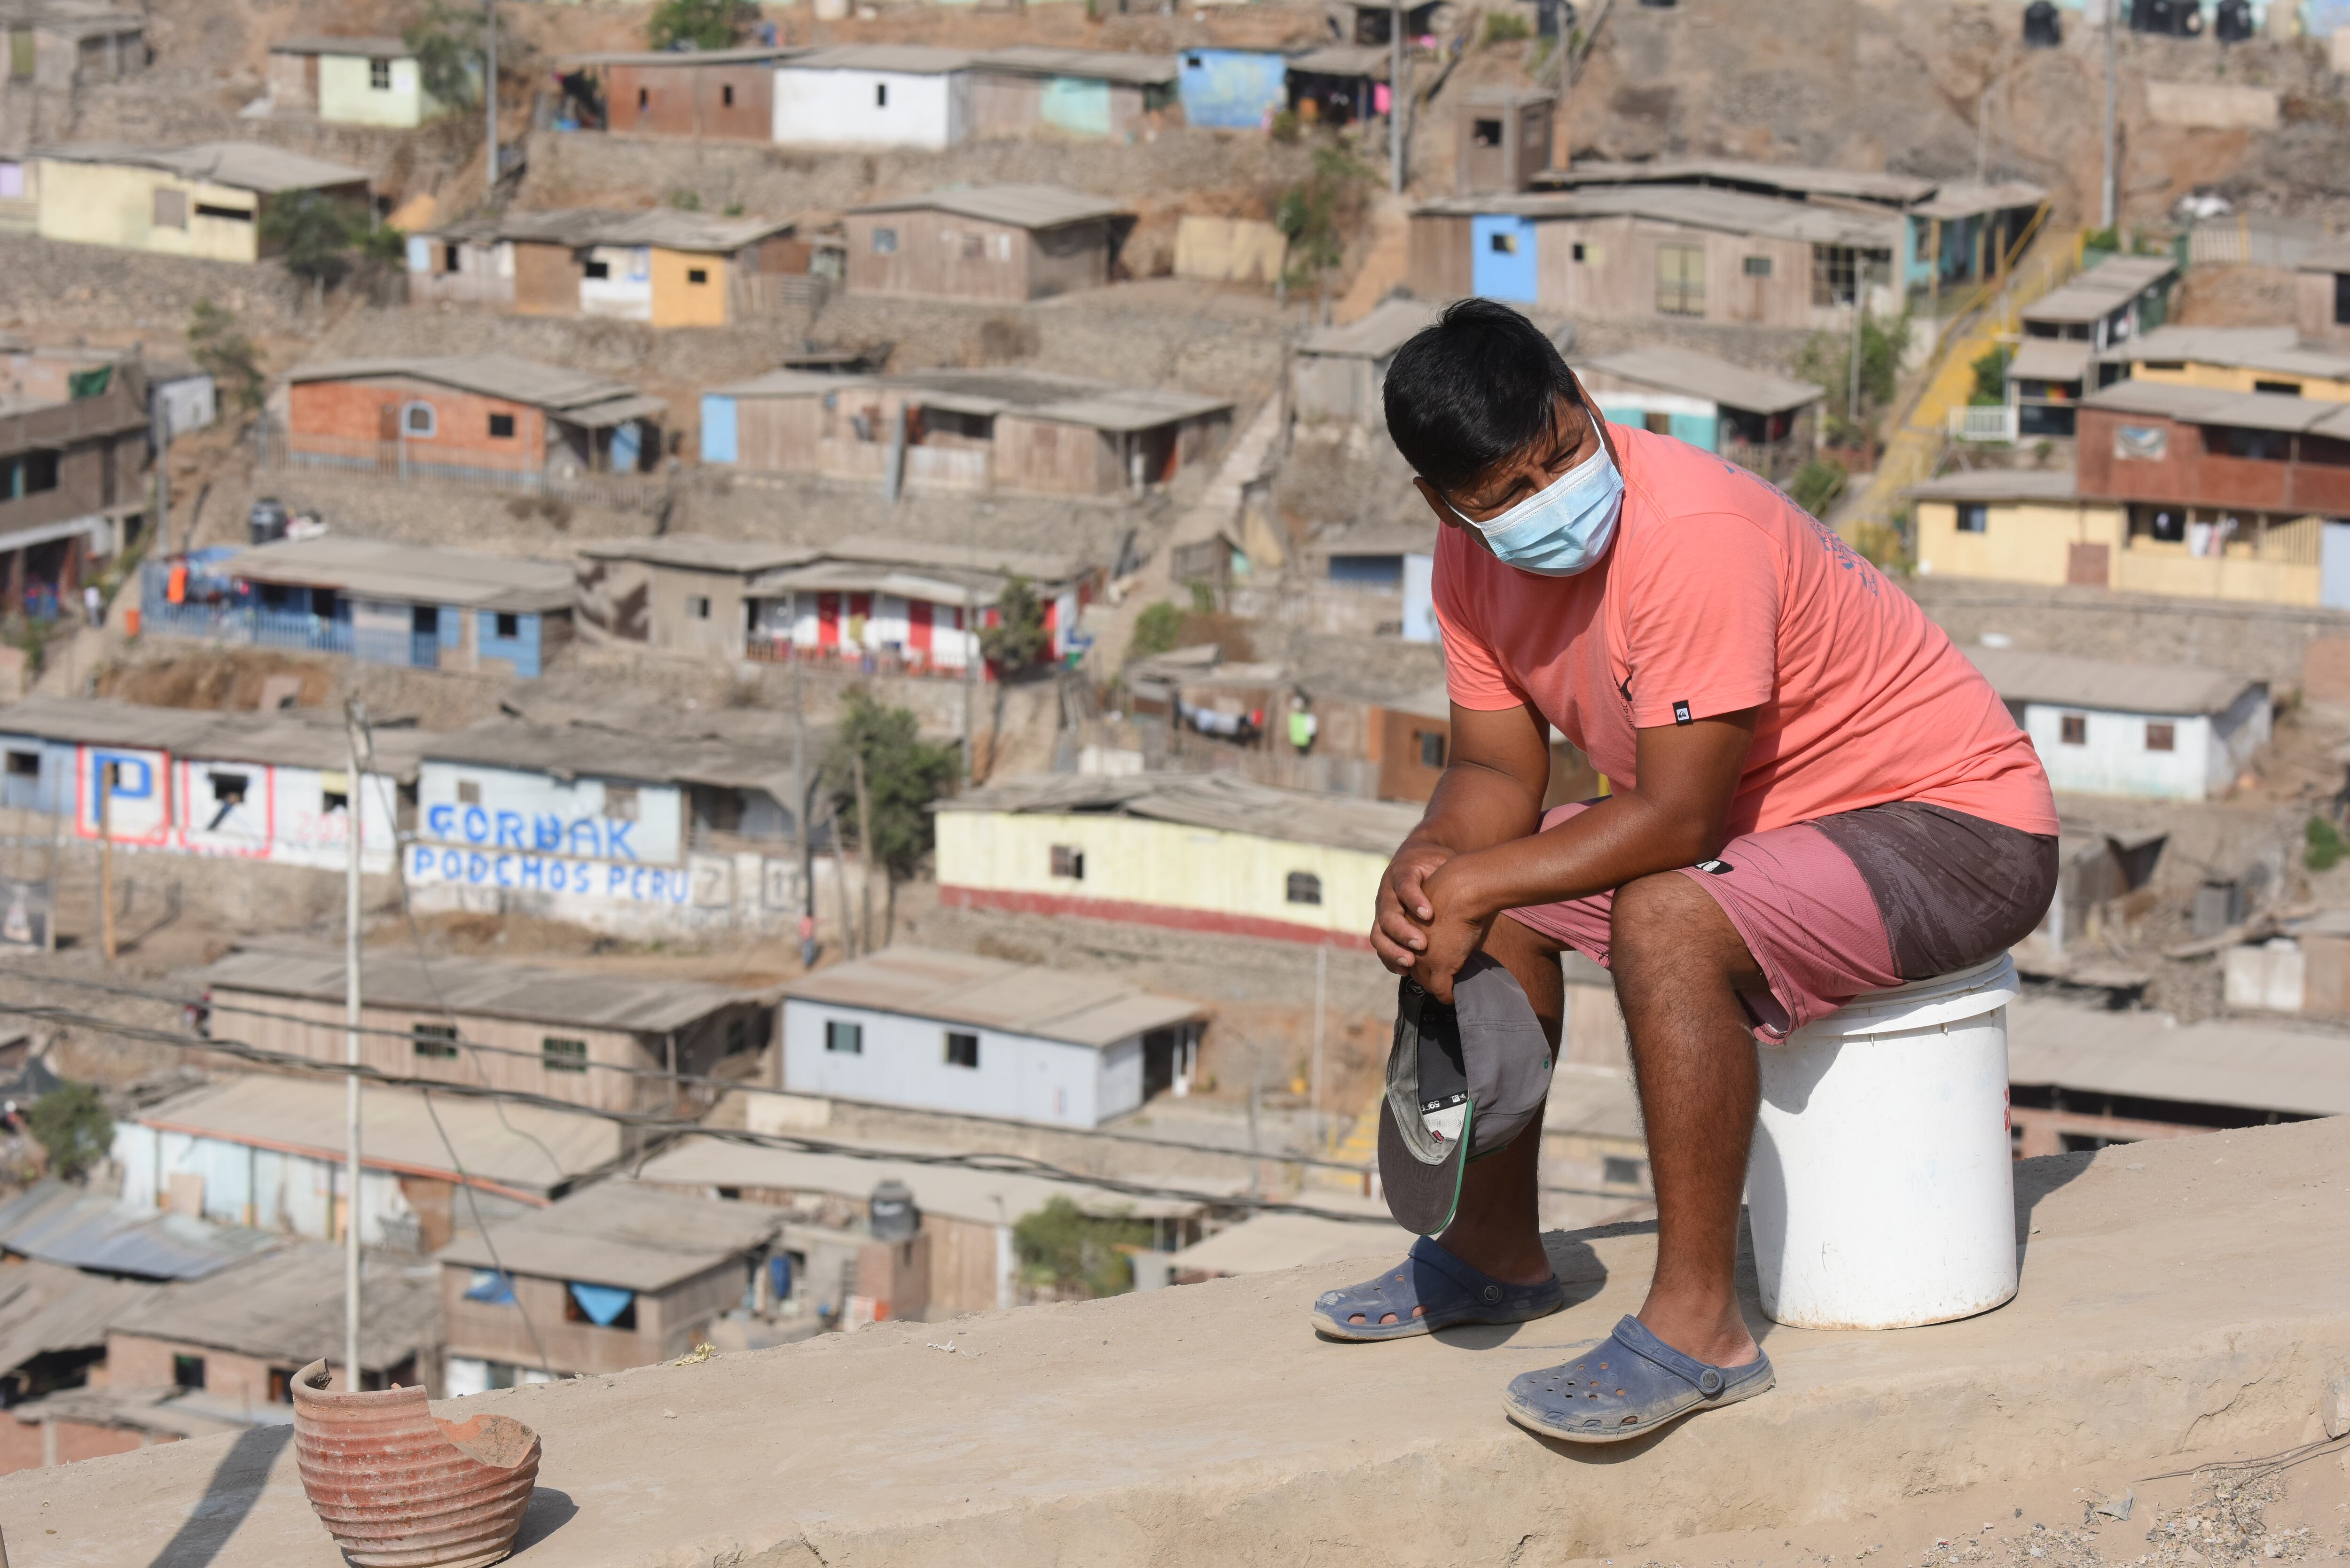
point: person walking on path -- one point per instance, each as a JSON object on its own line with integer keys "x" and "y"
{"x": 1813, "y": 795}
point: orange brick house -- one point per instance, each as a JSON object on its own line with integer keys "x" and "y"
{"x": 486, "y": 417}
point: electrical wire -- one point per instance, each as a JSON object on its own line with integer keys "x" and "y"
{"x": 691, "y": 1079}
{"x": 992, "y": 1164}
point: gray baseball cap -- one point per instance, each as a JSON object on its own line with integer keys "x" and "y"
{"x": 1462, "y": 1082}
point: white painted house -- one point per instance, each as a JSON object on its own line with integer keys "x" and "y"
{"x": 874, "y": 95}
{"x": 951, "y": 1032}
{"x": 2153, "y": 731}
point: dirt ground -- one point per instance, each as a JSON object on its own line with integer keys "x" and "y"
{"x": 2230, "y": 1509}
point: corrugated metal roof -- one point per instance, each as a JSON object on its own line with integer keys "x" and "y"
{"x": 2279, "y": 348}
{"x": 1999, "y": 484}
{"x": 1389, "y": 325}
{"x": 529, "y": 1149}
{"x": 1704, "y": 376}
{"x": 2051, "y": 359}
{"x": 910, "y": 59}
{"x": 792, "y": 384}
{"x": 2330, "y": 258}
{"x": 1079, "y": 1008}
{"x": 60, "y": 1224}
{"x": 951, "y": 1191}
{"x": 2073, "y": 304}
{"x": 1220, "y": 801}
{"x": 2107, "y": 685}
{"x": 46, "y": 1308}
{"x": 700, "y": 551}
{"x": 1802, "y": 178}
{"x": 242, "y": 165}
{"x": 752, "y": 55}
{"x": 1965, "y": 199}
{"x": 1700, "y": 207}
{"x": 927, "y": 556}
{"x": 382, "y": 568}
{"x": 2202, "y": 405}
{"x": 1102, "y": 65}
{"x": 1033, "y": 394}
{"x": 1344, "y": 61}
{"x": 557, "y": 388}
{"x": 1022, "y": 206}
{"x": 288, "y": 738}
{"x": 583, "y": 748}
{"x": 2101, "y": 290}
{"x": 2126, "y": 274}
{"x": 664, "y": 227}
{"x": 287, "y": 1307}
{"x": 378, "y": 47}
{"x": 631, "y": 1234}
{"x": 2218, "y": 1062}
{"x": 476, "y": 987}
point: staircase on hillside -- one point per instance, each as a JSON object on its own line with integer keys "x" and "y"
{"x": 1915, "y": 445}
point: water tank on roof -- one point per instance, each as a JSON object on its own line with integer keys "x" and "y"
{"x": 2042, "y": 28}
{"x": 2232, "y": 22}
{"x": 894, "y": 1217}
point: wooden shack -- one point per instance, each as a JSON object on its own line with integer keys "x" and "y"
{"x": 1005, "y": 243}
{"x": 726, "y": 95}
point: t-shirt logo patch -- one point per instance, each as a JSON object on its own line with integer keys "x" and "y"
{"x": 1682, "y": 713}
{"x": 1715, "y": 867}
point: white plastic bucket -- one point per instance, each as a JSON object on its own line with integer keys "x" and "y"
{"x": 1881, "y": 1190}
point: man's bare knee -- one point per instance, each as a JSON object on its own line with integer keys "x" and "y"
{"x": 1665, "y": 926}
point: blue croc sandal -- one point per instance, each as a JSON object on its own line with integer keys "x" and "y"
{"x": 1431, "y": 1278}
{"x": 1627, "y": 1385}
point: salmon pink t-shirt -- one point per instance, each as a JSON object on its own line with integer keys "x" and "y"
{"x": 1719, "y": 594}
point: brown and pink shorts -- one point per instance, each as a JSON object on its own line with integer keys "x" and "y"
{"x": 1864, "y": 900}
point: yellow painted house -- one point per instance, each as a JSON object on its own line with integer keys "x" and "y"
{"x": 350, "y": 81}
{"x": 2238, "y": 360}
{"x": 1202, "y": 852}
{"x": 206, "y": 200}
{"x": 2031, "y": 525}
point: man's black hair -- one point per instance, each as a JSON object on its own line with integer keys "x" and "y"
{"x": 1473, "y": 391}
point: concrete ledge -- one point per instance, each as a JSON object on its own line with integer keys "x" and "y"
{"x": 2176, "y": 1297}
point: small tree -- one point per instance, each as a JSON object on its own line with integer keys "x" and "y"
{"x": 449, "y": 57}
{"x": 223, "y": 352}
{"x": 315, "y": 235}
{"x": 71, "y": 1123}
{"x": 1826, "y": 358}
{"x": 1990, "y": 378}
{"x": 1316, "y": 213}
{"x": 1018, "y": 638}
{"x": 1062, "y": 1248}
{"x": 1818, "y": 485}
{"x": 1156, "y": 630}
{"x": 703, "y": 24}
{"x": 882, "y": 777}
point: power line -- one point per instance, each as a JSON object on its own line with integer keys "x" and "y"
{"x": 696, "y": 1079}
{"x": 989, "y": 1164}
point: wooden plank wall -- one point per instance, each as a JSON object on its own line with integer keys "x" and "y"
{"x": 779, "y": 435}
{"x": 1437, "y": 265}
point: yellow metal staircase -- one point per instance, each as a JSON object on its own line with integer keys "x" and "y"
{"x": 1992, "y": 312}
{"x": 1360, "y": 1147}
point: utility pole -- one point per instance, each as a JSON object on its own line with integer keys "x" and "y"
{"x": 105, "y": 856}
{"x": 800, "y": 803}
{"x": 490, "y": 94}
{"x": 1982, "y": 136}
{"x": 354, "y": 726}
{"x": 1852, "y": 397}
{"x": 1321, "y": 995}
{"x": 1395, "y": 97}
{"x": 2109, "y": 210}
{"x": 161, "y": 422}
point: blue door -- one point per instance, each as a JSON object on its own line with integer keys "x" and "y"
{"x": 1504, "y": 264}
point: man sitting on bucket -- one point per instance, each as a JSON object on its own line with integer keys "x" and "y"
{"x": 1813, "y": 795}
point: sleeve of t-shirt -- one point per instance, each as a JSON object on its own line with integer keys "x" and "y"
{"x": 1701, "y": 621}
{"x": 1473, "y": 676}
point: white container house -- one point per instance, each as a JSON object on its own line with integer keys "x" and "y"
{"x": 980, "y": 1036}
{"x": 2151, "y": 731}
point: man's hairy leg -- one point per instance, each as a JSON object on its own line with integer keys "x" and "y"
{"x": 1679, "y": 964}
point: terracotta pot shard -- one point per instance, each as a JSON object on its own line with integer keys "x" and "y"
{"x": 397, "y": 1487}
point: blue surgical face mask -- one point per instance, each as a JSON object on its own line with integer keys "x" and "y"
{"x": 1563, "y": 528}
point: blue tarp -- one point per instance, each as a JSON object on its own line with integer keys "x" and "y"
{"x": 602, "y": 1304}
{"x": 491, "y": 1286}
{"x": 1232, "y": 89}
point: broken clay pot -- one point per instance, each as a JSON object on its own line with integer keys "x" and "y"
{"x": 397, "y": 1487}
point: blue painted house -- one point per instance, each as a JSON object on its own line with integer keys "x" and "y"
{"x": 1232, "y": 89}
{"x": 381, "y": 602}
